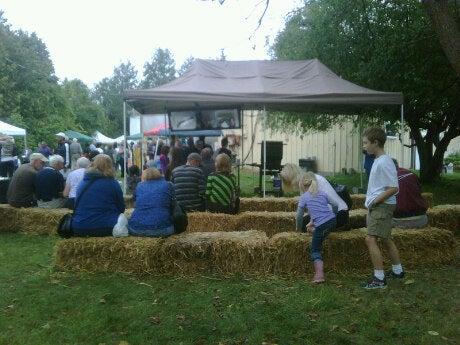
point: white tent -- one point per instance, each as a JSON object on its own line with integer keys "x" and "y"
{"x": 120, "y": 139}
{"x": 8, "y": 129}
{"x": 101, "y": 138}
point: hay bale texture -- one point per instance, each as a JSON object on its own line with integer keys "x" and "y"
{"x": 40, "y": 221}
{"x": 225, "y": 253}
{"x": 9, "y": 218}
{"x": 269, "y": 222}
{"x": 445, "y": 217}
{"x": 211, "y": 222}
{"x": 358, "y": 200}
{"x": 347, "y": 251}
{"x": 270, "y": 204}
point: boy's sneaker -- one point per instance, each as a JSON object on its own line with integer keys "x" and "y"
{"x": 375, "y": 283}
{"x": 391, "y": 274}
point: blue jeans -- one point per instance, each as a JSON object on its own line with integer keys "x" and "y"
{"x": 319, "y": 235}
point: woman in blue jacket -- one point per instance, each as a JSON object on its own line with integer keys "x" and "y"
{"x": 152, "y": 213}
{"x": 99, "y": 200}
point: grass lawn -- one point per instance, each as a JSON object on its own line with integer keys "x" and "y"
{"x": 40, "y": 306}
{"x": 446, "y": 191}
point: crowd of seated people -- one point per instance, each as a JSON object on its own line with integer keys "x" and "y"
{"x": 200, "y": 183}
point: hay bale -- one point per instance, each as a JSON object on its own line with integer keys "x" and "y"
{"x": 429, "y": 199}
{"x": 129, "y": 201}
{"x": 269, "y": 222}
{"x": 216, "y": 252}
{"x": 290, "y": 253}
{"x": 356, "y": 220}
{"x": 9, "y": 217}
{"x": 107, "y": 254}
{"x": 445, "y": 217}
{"x": 270, "y": 204}
{"x": 211, "y": 222}
{"x": 40, "y": 221}
{"x": 347, "y": 251}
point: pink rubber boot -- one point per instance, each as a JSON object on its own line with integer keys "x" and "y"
{"x": 319, "y": 272}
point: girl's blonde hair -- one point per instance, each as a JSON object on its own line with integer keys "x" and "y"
{"x": 103, "y": 164}
{"x": 223, "y": 163}
{"x": 308, "y": 183}
{"x": 151, "y": 174}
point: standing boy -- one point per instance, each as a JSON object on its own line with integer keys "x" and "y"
{"x": 380, "y": 202}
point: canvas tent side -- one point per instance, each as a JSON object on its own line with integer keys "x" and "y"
{"x": 8, "y": 129}
{"x": 260, "y": 85}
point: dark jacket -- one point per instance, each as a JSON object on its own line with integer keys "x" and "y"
{"x": 49, "y": 184}
{"x": 99, "y": 207}
{"x": 189, "y": 187}
{"x": 153, "y": 207}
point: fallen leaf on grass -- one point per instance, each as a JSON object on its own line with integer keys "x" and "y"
{"x": 123, "y": 342}
{"x": 433, "y": 333}
{"x": 409, "y": 281}
{"x": 334, "y": 327}
{"x": 102, "y": 301}
{"x": 344, "y": 330}
{"x": 180, "y": 317}
{"x": 155, "y": 320}
{"x": 46, "y": 326}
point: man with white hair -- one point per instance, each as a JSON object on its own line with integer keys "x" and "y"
{"x": 73, "y": 180}
{"x": 49, "y": 184}
{"x": 22, "y": 185}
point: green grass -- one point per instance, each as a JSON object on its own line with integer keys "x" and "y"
{"x": 446, "y": 191}
{"x": 40, "y": 306}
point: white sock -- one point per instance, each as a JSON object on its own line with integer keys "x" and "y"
{"x": 379, "y": 274}
{"x": 397, "y": 269}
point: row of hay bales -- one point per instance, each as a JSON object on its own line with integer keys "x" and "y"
{"x": 272, "y": 204}
{"x": 40, "y": 221}
{"x": 249, "y": 253}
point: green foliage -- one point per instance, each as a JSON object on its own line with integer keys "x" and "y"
{"x": 160, "y": 70}
{"x": 185, "y": 65}
{"x": 42, "y": 306}
{"x": 453, "y": 158}
{"x": 108, "y": 93}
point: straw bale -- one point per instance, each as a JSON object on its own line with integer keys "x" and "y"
{"x": 270, "y": 204}
{"x": 9, "y": 217}
{"x": 347, "y": 251}
{"x": 290, "y": 253}
{"x": 356, "y": 220}
{"x": 445, "y": 217}
{"x": 216, "y": 252}
{"x": 40, "y": 221}
{"x": 211, "y": 222}
{"x": 129, "y": 201}
{"x": 129, "y": 212}
{"x": 269, "y": 222}
{"x": 429, "y": 199}
{"x": 107, "y": 254}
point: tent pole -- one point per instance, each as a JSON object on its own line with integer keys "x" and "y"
{"x": 241, "y": 113}
{"x": 401, "y": 164}
{"x": 360, "y": 161}
{"x": 141, "y": 126}
{"x": 265, "y": 151}
{"x": 124, "y": 148}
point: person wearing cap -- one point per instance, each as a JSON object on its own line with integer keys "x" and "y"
{"x": 62, "y": 149}
{"x": 49, "y": 184}
{"x": 75, "y": 153}
{"x": 22, "y": 185}
{"x": 73, "y": 180}
{"x": 190, "y": 184}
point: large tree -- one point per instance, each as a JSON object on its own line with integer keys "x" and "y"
{"x": 387, "y": 46}
{"x": 109, "y": 94}
{"x": 159, "y": 70}
{"x": 30, "y": 95}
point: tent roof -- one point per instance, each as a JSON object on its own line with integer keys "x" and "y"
{"x": 80, "y": 136}
{"x": 277, "y": 85}
{"x": 8, "y": 129}
{"x": 103, "y": 139}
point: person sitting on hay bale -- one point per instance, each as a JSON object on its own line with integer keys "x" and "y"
{"x": 411, "y": 207}
{"x": 154, "y": 199}
{"x": 208, "y": 166}
{"x": 291, "y": 176}
{"x": 222, "y": 194}
{"x": 190, "y": 184}
{"x": 322, "y": 219}
{"x": 99, "y": 201}
{"x": 133, "y": 179}
{"x": 73, "y": 180}
{"x": 49, "y": 184}
{"x": 21, "y": 190}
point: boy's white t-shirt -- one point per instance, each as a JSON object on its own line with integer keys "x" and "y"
{"x": 383, "y": 174}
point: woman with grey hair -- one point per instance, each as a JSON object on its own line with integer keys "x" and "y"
{"x": 73, "y": 180}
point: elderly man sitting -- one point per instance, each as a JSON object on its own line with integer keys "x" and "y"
{"x": 73, "y": 180}
{"x": 22, "y": 186}
{"x": 49, "y": 184}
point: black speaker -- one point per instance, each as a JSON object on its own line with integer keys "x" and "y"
{"x": 274, "y": 154}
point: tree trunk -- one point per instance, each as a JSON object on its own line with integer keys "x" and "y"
{"x": 447, "y": 29}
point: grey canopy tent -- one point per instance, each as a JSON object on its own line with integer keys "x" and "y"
{"x": 267, "y": 85}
